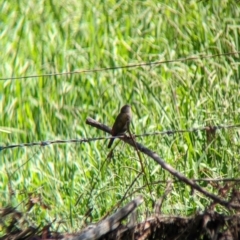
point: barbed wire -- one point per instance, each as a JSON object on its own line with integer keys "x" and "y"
{"x": 166, "y": 132}
{"x": 122, "y": 67}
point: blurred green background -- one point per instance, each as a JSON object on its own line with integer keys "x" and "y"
{"x": 46, "y": 37}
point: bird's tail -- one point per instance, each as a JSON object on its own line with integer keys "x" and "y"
{"x": 110, "y": 142}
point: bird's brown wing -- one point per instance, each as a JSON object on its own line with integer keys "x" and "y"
{"x": 121, "y": 124}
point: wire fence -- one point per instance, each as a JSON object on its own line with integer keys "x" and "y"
{"x": 211, "y": 129}
{"x": 156, "y": 63}
{"x": 167, "y": 132}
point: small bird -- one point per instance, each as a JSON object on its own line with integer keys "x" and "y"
{"x": 121, "y": 123}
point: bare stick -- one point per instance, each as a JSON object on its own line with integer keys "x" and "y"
{"x": 108, "y": 224}
{"x": 165, "y": 165}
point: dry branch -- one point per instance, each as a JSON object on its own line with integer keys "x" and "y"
{"x": 109, "y": 224}
{"x": 164, "y": 165}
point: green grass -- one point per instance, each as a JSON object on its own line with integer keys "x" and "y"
{"x": 41, "y": 37}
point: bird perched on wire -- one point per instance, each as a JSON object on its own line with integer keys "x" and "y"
{"x": 121, "y": 123}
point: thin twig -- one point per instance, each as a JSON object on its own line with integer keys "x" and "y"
{"x": 123, "y": 198}
{"x": 141, "y": 161}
